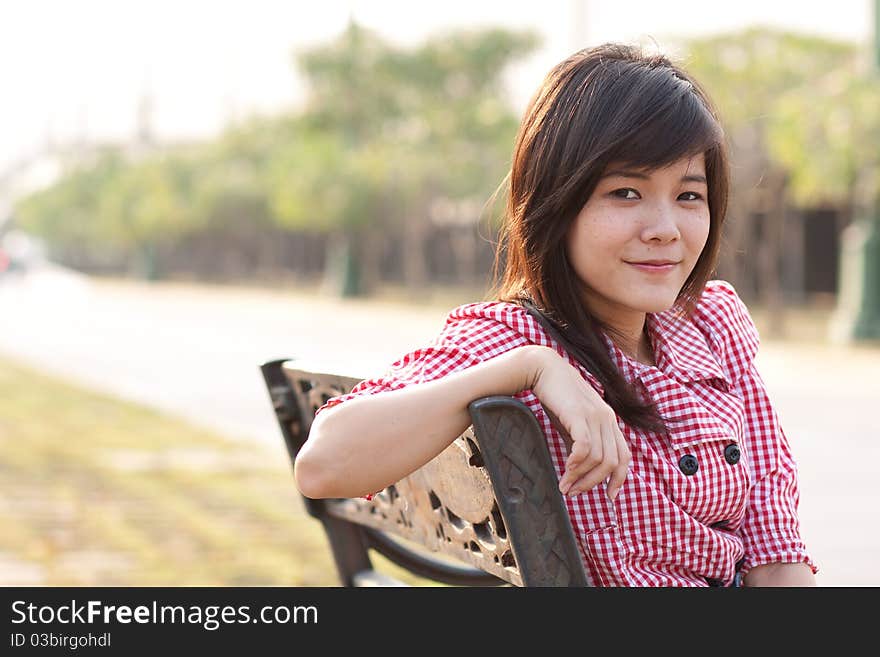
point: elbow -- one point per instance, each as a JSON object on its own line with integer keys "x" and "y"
{"x": 311, "y": 478}
{"x": 323, "y": 467}
{"x": 312, "y": 470}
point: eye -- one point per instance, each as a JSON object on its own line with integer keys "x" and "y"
{"x": 694, "y": 196}
{"x": 627, "y": 193}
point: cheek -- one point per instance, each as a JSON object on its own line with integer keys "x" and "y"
{"x": 588, "y": 245}
{"x": 696, "y": 234}
{"x": 601, "y": 232}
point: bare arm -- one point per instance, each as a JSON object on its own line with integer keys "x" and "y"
{"x": 369, "y": 442}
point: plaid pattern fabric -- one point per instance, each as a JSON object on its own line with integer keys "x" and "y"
{"x": 668, "y": 526}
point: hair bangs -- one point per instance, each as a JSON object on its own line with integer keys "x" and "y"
{"x": 681, "y": 126}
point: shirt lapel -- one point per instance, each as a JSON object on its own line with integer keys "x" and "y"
{"x": 681, "y": 350}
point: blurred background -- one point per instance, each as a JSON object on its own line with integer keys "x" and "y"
{"x": 190, "y": 189}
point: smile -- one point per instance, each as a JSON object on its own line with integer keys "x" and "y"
{"x": 654, "y": 268}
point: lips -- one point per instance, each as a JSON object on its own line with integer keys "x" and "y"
{"x": 654, "y": 266}
{"x": 653, "y": 262}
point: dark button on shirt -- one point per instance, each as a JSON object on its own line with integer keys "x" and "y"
{"x": 731, "y": 454}
{"x": 688, "y": 464}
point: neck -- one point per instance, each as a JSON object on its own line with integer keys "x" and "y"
{"x": 634, "y": 343}
{"x": 627, "y": 328}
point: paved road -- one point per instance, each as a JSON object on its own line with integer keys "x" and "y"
{"x": 194, "y": 351}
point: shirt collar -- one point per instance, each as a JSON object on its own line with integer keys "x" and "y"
{"x": 681, "y": 350}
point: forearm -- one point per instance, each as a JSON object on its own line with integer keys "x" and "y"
{"x": 369, "y": 442}
{"x": 780, "y": 574}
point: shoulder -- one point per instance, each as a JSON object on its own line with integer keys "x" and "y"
{"x": 723, "y": 319}
{"x": 723, "y": 314}
{"x": 488, "y": 329}
{"x": 493, "y": 326}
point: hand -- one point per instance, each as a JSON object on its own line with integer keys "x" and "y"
{"x": 597, "y": 448}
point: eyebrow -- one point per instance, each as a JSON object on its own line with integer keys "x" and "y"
{"x": 623, "y": 173}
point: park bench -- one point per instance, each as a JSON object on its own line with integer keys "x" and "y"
{"x": 485, "y": 512}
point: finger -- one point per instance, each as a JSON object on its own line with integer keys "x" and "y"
{"x": 573, "y": 473}
{"x": 618, "y": 475}
{"x": 612, "y": 457}
{"x": 587, "y": 444}
{"x": 581, "y": 450}
{"x": 586, "y": 454}
{"x": 578, "y": 451}
{"x": 589, "y": 480}
{"x": 560, "y": 428}
{"x": 601, "y": 471}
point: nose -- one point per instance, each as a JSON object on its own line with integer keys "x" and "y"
{"x": 661, "y": 224}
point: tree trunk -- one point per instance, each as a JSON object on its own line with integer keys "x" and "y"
{"x": 370, "y": 249}
{"x": 465, "y": 247}
{"x": 341, "y": 270}
{"x": 144, "y": 263}
{"x": 769, "y": 270}
{"x": 415, "y": 268}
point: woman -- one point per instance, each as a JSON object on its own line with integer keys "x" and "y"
{"x": 639, "y": 368}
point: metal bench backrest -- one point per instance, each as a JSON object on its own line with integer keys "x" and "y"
{"x": 490, "y": 500}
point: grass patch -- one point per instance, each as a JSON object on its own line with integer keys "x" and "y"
{"x": 101, "y": 492}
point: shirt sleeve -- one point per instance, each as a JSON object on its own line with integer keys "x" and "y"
{"x": 461, "y": 344}
{"x": 418, "y": 366}
{"x": 771, "y": 529}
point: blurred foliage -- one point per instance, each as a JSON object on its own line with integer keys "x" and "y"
{"x": 113, "y": 202}
{"x": 805, "y": 104}
{"x": 384, "y": 132}
{"x": 831, "y": 148}
{"x": 388, "y": 135}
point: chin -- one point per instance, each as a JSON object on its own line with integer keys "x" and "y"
{"x": 655, "y": 304}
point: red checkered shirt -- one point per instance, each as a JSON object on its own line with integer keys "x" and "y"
{"x": 665, "y": 528}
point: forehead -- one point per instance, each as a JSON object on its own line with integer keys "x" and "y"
{"x": 691, "y": 165}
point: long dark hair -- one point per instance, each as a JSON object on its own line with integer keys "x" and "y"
{"x": 612, "y": 103}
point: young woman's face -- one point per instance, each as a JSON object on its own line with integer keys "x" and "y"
{"x": 639, "y": 216}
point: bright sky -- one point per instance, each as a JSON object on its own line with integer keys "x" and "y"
{"x": 79, "y": 69}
